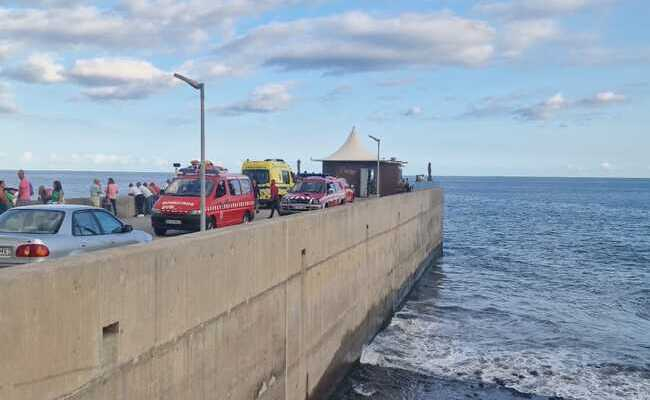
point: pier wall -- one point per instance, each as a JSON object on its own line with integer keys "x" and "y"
{"x": 125, "y": 205}
{"x": 275, "y": 310}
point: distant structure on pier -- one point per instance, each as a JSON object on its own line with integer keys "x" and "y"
{"x": 354, "y": 162}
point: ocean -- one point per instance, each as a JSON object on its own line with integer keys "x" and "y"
{"x": 543, "y": 292}
{"x": 77, "y": 183}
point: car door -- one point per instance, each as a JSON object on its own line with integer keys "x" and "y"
{"x": 221, "y": 194}
{"x": 87, "y": 232}
{"x": 234, "y": 211}
{"x": 113, "y": 230}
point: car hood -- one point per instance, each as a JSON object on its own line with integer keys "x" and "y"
{"x": 304, "y": 196}
{"x": 178, "y": 203}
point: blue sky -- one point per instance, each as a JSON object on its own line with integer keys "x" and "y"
{"x": 494, "y": 87}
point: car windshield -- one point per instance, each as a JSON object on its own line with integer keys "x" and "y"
{"x": 31, "y": 221}
{"x": 261, "y": 176}
{"x": 188, "y": 187}
{"x": 309, "y": 187}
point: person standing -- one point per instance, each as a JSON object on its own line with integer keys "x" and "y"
{"x": 57, "y": 193}
{"x": 275, "y": 199}
{"x": 96, "y": 193}
{"x": 155, "y": 189}
{"x": 25, "y": 189}
{"x": 256, "y": 192}
{"x": 112, "y": 191}
{"x": 4, "y": 201}
{"x": 139, "y": 199}
{"x": 148, "y": 198}
{"x": 44, "y": 194}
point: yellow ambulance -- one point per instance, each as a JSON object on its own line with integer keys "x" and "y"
{"x": 263, "y": 172}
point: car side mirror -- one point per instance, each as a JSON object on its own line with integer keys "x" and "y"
{"x": 162, "y": 191}
{"x": 127, "y": 228}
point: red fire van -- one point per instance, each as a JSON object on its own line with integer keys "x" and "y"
{"x": 229, "y": 201}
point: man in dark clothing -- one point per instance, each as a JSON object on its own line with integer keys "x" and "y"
{"x": 256, "y": 192}
{"x": 275, "y": 199}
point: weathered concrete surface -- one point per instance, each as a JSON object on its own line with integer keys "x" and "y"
{"x": 275, "y": 310}
{"x": 125, "y": 205}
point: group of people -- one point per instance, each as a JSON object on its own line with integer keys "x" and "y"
{"x": 24, "y": 194}
{"x": 104, "y": 197}
{"x": 146, "y": 195}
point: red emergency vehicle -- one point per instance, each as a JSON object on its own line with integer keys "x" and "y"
{"x": 229, "y": 201}
{"x": 315, "y": 192}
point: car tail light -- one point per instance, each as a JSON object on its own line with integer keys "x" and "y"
{"x": 32, "y": 250}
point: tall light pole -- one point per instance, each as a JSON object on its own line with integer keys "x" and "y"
{"x": 201, "y": 87}
{"x": 378, "y": 166}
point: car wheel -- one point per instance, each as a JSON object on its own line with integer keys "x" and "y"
{"x": 160, "y": 231}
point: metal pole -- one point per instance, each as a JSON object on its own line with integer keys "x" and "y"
{"x": 203, "y": 216}
{"x": 378, "y": 167}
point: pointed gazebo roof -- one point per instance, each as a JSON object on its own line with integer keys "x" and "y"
{"x": 352, "y": 150}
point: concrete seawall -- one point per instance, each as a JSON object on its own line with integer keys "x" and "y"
{"x": 277, "y": 310}
{"x": 125, "y": 205}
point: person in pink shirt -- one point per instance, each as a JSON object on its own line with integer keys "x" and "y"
{"x": 111, "y": 194}
{"x": 25, "y": 190}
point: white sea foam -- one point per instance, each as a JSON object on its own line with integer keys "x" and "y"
{"x": 410, "y": 345}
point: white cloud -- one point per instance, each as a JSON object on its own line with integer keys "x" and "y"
{"x": 520, "y": 35}
{"x": 209, "y": 69}
{"x": 7, "y": 102}
{"x": 106, "y": 161}
{"x": 355, "y": 42}
{"x": 119, "y": 78}
{"x": 608, "y": 98}
{"x": 27, "y": 156}
{"x": 38, "y": 68}
{"x": 541, "y": 111}
{"x": 535, "y": 8}
{"x": 134, "y": 24}
{"x": 7, "y": 48}
{"x": 264, "y": 99}
{"x": 70, "y": 26}
{"x": 606, "y": 165}
{"x": 412, "y": 112}
{"x": 544, "y": 110}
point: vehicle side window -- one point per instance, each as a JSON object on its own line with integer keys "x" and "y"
{"x": 286, "y": 178}
{"x": 234, "y": 187}
{"x": 221, "y": 189}
{"x": 108, "y": 223}
{"x": 331, "y": 187}
{"x": 85, "y": 224}
{"x": 245, "y": 186}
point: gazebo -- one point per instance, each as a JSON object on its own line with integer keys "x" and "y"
{"x": 354, "y": 162}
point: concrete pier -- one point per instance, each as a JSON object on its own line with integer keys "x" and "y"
{"x": 275, "y": 310}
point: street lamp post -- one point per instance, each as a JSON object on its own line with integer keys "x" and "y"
{"x": 201, "y": 87}
{"x": 378, "y": 161}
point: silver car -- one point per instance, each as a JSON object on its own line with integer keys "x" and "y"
{"x": 37, "y": 233}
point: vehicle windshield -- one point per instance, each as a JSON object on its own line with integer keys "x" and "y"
{"x": 31, "y": 221}
{"x": 188, "y": 187}
{"x": 261, "y": 176}
{"x": 309, "y": 187}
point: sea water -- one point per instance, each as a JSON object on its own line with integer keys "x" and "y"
{"x": 543, "y": 292}
{"x": 77, "y": 183}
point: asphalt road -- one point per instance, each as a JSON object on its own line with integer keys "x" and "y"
{"x": 144, "y": 223}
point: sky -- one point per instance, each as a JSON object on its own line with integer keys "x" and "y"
{"x": 490, "y": 87}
